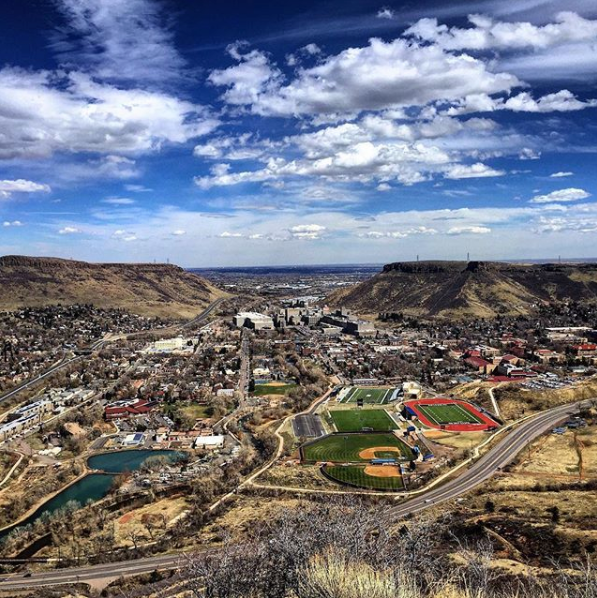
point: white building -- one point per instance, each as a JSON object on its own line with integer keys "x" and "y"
{"x": 209, "y": 442}
{"x": 253, "y": 320}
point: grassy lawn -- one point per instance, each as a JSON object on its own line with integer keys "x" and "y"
{"x": 272, "y": 389}
{"x": 186, "y": 408}
{"x": 346, "y": 447}
{"x": 356, "y": 476}
{"x": 449, "y": 414}
{"x": 369, "y": 395}
{"x": 355, "y": 420}
{"x": 194, "y": 410}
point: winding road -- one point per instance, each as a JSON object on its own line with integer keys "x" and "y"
{"x": 494, "y": 460}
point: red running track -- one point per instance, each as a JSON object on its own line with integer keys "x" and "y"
{"x": 486, "y": 422}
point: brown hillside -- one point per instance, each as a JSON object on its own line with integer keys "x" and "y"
{"x": 473, "y": 289}
{"x": 146, "y": 289}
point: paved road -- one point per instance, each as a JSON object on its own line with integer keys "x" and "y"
{"x": 499, "y": 456}
{"x": 308, "y": 426}
{"x": 27, "y": 384}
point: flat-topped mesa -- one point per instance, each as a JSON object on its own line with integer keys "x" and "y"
{"x": 22, "y": 261}
{"x": 474, "y": 289}
{"x": 163, "y": 290}
{"x": 425, "y": 267}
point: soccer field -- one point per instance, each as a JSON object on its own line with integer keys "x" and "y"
{"x": 354, "y": 421}
{"x": 346, "y": 448}
{"x": 381, "y": 396}
{"x": 444, "y": 414}
{"x": 355, "y": 475}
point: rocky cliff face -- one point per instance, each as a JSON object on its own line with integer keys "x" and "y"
{"x": 146, "y": 289}
{"x": 468, "y": 289}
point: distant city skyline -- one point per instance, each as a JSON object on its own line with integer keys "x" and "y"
{"x": 298, "y": 133}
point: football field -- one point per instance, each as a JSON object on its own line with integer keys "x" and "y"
{"x": 379, "y": 396}
{"x": 444, "y": 414}
{"x": 355, "y": 420}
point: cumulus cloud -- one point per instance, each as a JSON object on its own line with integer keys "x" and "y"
{"x": 486, "y": 34}
{"x": 179, "y": 232}
{"x": 8, "y": 187}
{"x": 380, "y": 75}
{"x": 469, "y": 230}
{"x": 8, "y": 223}
{"x": 561, "y": 101}
{"x": 560, "y": 174}
{"x": 478, "y": 170}
{"x": 562, "y": 195}
{"x": 253, "y": 76}
{"x": 229, "y": 235}
{"x": 124, "y": 235}
{"x": 307, "y": 231}
{"x": 69, "y": 230}
{"x": 45, "y": 112}
{"x": 385, "y": 13}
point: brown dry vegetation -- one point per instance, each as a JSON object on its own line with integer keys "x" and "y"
{"x": 474, "y": 289}
{"x": 145, "y": 289}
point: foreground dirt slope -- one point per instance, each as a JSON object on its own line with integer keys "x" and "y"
{"x": 464, "y": 289}
{"x": 145, "y": 289}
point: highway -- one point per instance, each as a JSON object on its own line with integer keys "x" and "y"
{"x": 495, "y": 459}
{"x": 52, "y": 370}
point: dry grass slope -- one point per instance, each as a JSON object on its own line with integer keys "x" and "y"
{"x": 146, "y": 289}
{"x": 473, "y": 289}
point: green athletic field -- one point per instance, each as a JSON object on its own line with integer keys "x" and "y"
{"x": 449, "y": 414}
{"x": 346, "y": 448}
{"x": 354, "y": 421}
{"x": 272, "y": 389}
{"x": 369, "y": 395}
{"x": 356, "y": 476}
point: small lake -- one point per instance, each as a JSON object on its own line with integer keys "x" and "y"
{"x": 95, "y": 486}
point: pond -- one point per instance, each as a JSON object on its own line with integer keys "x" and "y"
{"x": 95, "y": 486}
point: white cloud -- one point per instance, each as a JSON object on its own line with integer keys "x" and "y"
{"x": 488, "y": 34}
{"x": 124, "y": 235}
{"x": 8, "y": 223}
{"x": 179, "y": 232}
{"x": 560, "y": 174}
{"x": 383, "y": 187}
{"x": 570, "y": 62}
{"x": 119, "y": 201}
{"x": 562, "y": 195}
{"x": 528, "y": 153}
{"x": 469, "y": 230}
{"x": 137, "y": 188}
{"x": 45, "y": 112}
{"x": 120, "y": 40}
{"x": 246, "y": 81}
{"x": 228, "y": 235}
{"x": 561, "y": 101}
{"x": 8, "y": 187}
{"x": 69, "y": 230}
{"x": 307, "y": 231}
{"x": 478, "y": 170}
{"x": 385, "y": 13}
{"x": 380, "y": 75}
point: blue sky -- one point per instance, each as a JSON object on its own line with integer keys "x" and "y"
{"x": 264, "y": 133}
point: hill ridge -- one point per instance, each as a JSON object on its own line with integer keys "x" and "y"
{"x": 437, "y": 288}
{"x": 165, "y": 290}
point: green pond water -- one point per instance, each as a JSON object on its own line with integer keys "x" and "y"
{"x": 95, "y": 486}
